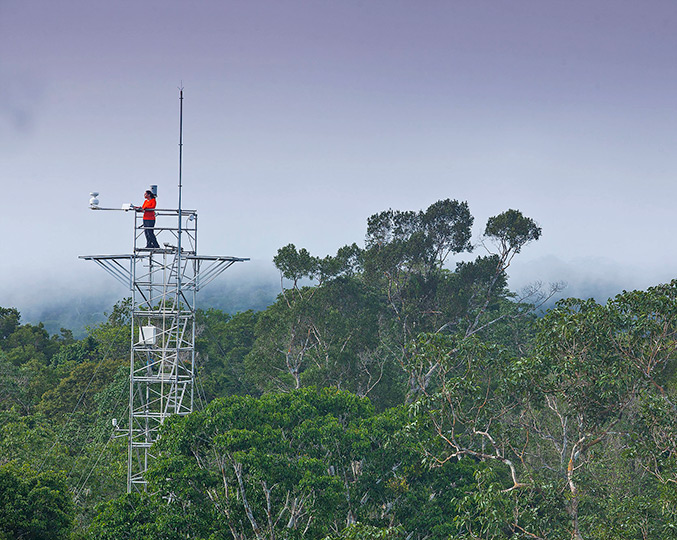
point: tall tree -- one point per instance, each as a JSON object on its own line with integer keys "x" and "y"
{"x": 553, "y": 424}
{"x": 354, "y": 327}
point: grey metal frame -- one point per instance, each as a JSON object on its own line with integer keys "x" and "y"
{"x": 164, "y": 283}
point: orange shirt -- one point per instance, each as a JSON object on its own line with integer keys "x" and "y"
{"x": 148, "y": 207}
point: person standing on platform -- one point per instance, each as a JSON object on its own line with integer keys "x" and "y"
{"x": 148, "y": 210}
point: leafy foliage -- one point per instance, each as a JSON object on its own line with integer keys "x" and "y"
{"x": 549, "y": 422}
{"x": 222, "y": 344}
{"x": 388, "y": 392}
{"x": 34, "y": 505}
{"x": 283, "y": 462}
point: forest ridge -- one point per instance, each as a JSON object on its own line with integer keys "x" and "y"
{"x": 382, "y": 395}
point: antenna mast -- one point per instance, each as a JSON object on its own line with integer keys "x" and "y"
{"x": 180, "y": 158}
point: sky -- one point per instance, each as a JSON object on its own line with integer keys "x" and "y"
{"x": 304, "y": 117}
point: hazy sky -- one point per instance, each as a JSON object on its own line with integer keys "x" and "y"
{"x": 302, "y": 118}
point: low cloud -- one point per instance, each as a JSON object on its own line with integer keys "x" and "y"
{"x": 75, "y": 300}
{"x": 598, "y": 278}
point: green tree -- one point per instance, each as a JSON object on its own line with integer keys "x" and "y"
{"x": 35, "y": 506}
{"x": 113, "y": 336}
{"x": 398, "y": 489}
{"x": 557, "y": 427}
{"x": 359, "y": 531}
{"x": 131, "y": 516}
{"x": 222, "y": 343}
{"x": 326, "y": 336}
{"x": 29, "y": 342}
{"x": 30, "y": 440}
{"x": 26, "y": 361}
{"x": 9, "y": 323}
{"x": 278, "y": 465}
{"x": 353, "y": 329}
{"x": 303, "y": 464}
{"x": 76, "y": 391}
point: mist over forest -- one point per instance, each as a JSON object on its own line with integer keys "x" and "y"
{"x": 67, "y": 304}
{"x": 255, "y": 285}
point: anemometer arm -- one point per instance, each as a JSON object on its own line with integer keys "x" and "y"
{"x": 94, "y": 204}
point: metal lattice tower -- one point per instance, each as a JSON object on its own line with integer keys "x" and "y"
{"x": 163, "y": 283}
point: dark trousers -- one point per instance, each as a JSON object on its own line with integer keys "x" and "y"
{"x": 151, "y": 241}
